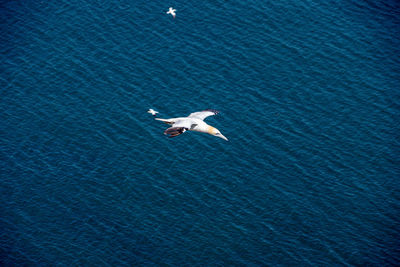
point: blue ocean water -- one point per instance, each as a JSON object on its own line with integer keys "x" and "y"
{"x": 308, "y": 94}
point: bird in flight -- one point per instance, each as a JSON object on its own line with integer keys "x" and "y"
{"x": 193, "y": 122}
{"x": 152, "y": 112}
{"x": 172, "y": 12}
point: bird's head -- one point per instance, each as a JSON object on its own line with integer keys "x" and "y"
{"x": 214, "y": 131}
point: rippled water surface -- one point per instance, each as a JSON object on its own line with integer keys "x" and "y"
{"x": 308, "y": 94}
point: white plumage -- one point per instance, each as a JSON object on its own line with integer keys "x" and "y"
{"x": 152, "y": 112}
{"x": 171, "y": 11}
{"x": 193, "y": 122}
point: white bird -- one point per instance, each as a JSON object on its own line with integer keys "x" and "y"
{"x": 152, "y": 112}
{"x": 171, "y": 11}
{"x": 193, "y": 122}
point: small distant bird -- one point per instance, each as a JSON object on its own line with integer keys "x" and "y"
{"x": 152, "y": 112}
{"x": 171, "y": 11}
{"x": 193, "y": 122}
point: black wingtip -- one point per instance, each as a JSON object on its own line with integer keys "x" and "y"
{"x": 175, "y": 131}
{"x": 212, "y": 110}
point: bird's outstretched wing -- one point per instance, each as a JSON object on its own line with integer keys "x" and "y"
{"x": 203, "y": 114}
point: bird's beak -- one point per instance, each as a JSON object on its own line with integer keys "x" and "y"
{"x": 223, "y": 137}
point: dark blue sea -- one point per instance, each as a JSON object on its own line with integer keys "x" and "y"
{"x": 309, "y": 98}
